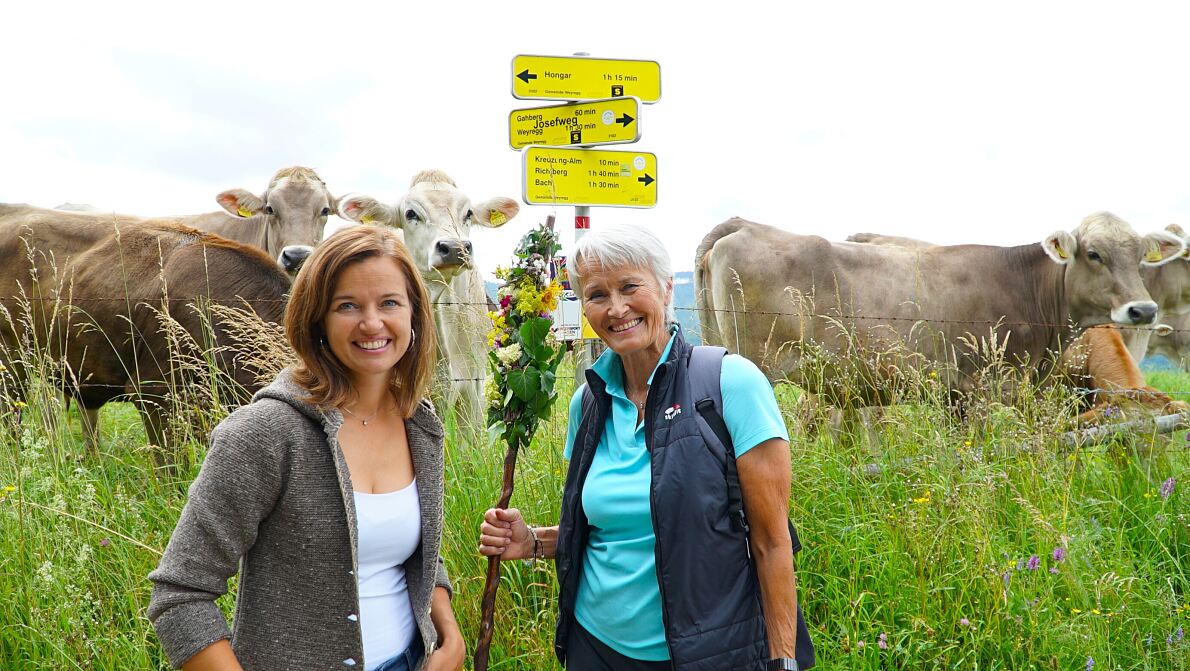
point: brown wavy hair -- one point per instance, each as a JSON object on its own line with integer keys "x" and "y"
{"x": 318, "y": 371}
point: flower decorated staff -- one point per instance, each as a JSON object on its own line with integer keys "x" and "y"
{"x": 523, "y": 361}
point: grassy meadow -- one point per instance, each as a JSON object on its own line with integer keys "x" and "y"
{"x": 979, "y": 545}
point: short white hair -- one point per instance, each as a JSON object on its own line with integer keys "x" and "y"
{"x": 622, "y": 246}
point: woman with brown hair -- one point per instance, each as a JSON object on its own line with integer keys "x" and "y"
{"x": 325, "y": 492}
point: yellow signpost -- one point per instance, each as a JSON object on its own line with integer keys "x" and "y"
{"x": 582, "y": 78}
{"x": 611, "y": 121}
{"x": 565, "y": 176}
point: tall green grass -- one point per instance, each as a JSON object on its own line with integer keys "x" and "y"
{"x": 927, "y": 563}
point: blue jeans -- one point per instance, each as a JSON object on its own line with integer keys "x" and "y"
{"x": 405, "y": 661}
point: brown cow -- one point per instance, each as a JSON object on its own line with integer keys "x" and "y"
{"x": 1098, "y": 359}
{"x": 768, "y": 294}
{"x": 95, "y": 290}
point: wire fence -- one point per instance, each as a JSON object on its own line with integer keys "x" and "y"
{"x": 836, "y": 317}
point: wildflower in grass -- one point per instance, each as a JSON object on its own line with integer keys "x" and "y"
{"x": 1033, "y": 563}
{"x": 1149, "y": 640}
{"x": 1167, "y": 488}
{"x": 1054, "y": 570}
{"x": 964, "y": 622}
{"x": 1178, "y": 635}
{"x": 1059, "y": 554}
{"x": 19, "y": 405}
{"x": 1090, "y": 663}
{"x": 860, "y": 645}
{"x": 882, "y": 642}
{"x": 1159, "y": 518}
{"x": 105, "y": 542}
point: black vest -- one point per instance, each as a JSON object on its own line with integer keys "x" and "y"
{"x": 710, "y": 601}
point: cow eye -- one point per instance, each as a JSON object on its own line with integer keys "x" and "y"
{"x": 467, "y": 217}
{"x": 268, "y": 209}
{"x": 1094, "y": 256}
{"x": 326, "y": 211}
{"x": 410, "y": 215}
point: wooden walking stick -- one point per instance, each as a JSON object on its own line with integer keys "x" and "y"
{"x": 523, "y": 360}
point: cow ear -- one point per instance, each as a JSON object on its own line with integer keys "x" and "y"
{"x": 240, "y": 203}
{"x": 1060, "y": 246}
{"x": 366, "y": 210}
{"x": 1177, "y": 230}
{"x": 496, "y": 212}
{"x": 1161, "y": 248}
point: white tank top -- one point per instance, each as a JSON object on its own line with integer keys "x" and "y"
{"x": 388, "y": 531}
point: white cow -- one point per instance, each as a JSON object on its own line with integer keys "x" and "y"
{"x": 436, "y": 220}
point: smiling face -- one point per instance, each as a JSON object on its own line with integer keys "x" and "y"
{"x": 626, "y": 307}
{"x": 367, "y": 324}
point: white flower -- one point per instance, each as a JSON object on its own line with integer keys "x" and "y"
{"x": 509, "y": 355}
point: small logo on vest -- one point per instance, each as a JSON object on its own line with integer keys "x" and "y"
{"x": 673, "y": 411}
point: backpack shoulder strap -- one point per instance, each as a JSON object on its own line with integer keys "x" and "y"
{"x": 704, "y": 370}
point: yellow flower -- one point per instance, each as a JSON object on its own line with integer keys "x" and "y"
{"x": 20, "y": 404}
{"x": 1096, "y": 611}
{"x": 10, "y": 488}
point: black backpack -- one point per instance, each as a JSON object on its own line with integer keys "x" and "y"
{"x": 703, "y": 371}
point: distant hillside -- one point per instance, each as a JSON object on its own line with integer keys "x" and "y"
{"x": 683, "y": 303}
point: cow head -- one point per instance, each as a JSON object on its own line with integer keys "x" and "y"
{"x": 290, "y": 215}
{"x": 1169, "y": 284}
{"x": 1102, "y": 260}
{"x": 436, "y": 219}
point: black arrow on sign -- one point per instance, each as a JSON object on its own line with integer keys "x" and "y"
{"x": 646, "y": 179}
{"x": 625, "y": 120}
{"x": 525, "y": 76}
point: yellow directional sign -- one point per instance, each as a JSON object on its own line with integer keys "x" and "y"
{"x": 612, "y": 121}
{"x": 565, "y": 176}
{"x": 582, "y": 78}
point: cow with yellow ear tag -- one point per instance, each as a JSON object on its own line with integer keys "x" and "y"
{"x": 436, "y": 219}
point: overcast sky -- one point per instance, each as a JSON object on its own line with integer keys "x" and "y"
{"x": 954, "y": 122}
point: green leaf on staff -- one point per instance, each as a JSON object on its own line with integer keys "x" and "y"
{"x": 525, "y": 383}
{"x": 533, "y": 334}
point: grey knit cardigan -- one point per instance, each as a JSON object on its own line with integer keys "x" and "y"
{"x": 274, "y": 499}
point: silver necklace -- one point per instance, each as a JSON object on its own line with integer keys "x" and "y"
{"x": 362, "y": 420}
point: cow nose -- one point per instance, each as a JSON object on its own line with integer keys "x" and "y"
{"x": 293, "y": 256}
{"x": 451, "y": 253}
{"x": 1142, "y": 313}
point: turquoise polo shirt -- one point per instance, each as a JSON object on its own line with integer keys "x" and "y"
{"x": 618, "y": 599}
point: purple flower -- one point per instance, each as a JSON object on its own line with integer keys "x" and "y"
{"x": 1033, "y": 563}
{"x": 1090, "y": 663}
{"x": 964, "y": 622}
{"x": 1054, "y": 570}
{"x": 1020, "y": 564}
{"x": 1167, "y": 488}
{"x": 860, "y": 645}
{"x": 1059, "y": 554}
{"x": 883, "y": 642}
{"x": 105, "y": 542}
{"x": 1178, "y": 635}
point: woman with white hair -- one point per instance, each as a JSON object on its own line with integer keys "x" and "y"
{"x": 674, "y": 549}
